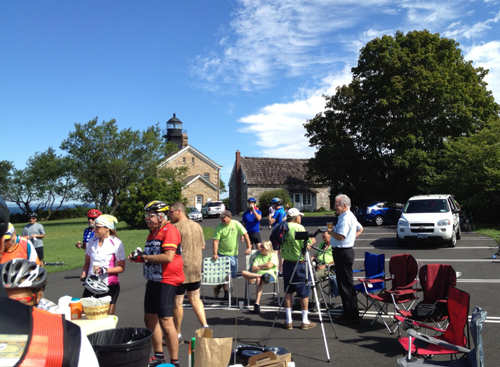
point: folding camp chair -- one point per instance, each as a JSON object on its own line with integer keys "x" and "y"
{"x": 435, "y": 280}
{"x": 403, "y": 269}
{"x": 452, "y": 340}
{"x": 374, "y": 269}
{"x": 217, "y": 272}
{"x": 249, "y": 261}
{"x": 475, "y": 357}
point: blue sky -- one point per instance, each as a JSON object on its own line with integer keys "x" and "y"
{"x": 241, "y": 75}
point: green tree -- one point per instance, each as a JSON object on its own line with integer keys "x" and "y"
{"x": 110, "y": 160}
{"x": 46, "y": 183}
{"x": 136, "y": 196}
{"x": 6, "y": 171}
{"x": 382, "y": 134}
{"x": 472, "y": 171}
{"x": 222, "y": 187}
{"x": 265, "y": 199}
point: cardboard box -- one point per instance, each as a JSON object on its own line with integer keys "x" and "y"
{"x": 269, "y": 359}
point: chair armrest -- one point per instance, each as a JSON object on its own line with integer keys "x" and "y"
{"x": 400, "y": 292}
{"x": 358, "y": 270}
{"x": 429, "y": 339}
{"x": 368, "y": 280}
{"x": 376, "y": 276}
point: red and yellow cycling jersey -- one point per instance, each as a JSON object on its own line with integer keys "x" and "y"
{"x": 167, "y": 238}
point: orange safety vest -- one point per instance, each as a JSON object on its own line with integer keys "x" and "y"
{"x": 46, "y": 345}
{"x": 20, "y": 251}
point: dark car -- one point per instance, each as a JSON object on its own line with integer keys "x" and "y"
{"x": 379, "y": 213}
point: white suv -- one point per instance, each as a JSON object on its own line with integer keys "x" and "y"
{"x": 212, "y": 209}
{"x": 429, "y": 217}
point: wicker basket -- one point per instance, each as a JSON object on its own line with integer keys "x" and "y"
{"x": 96, "y": 313}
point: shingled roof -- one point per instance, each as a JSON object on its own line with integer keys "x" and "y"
{"x": 275, "y": 171}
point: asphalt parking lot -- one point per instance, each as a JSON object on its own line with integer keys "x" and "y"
{"x": 358, "y": 345}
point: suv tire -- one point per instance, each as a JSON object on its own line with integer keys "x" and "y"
{"x": 459, "y": 233}
{"x": 453, "y": 241}
{"x": 379, "y": 220}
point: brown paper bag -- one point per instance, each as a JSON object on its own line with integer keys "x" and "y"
{"x": 269, "y": 359}
{"x": 210, "y": 351}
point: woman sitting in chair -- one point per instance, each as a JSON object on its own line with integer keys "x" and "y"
{"x": 263, "y": 270}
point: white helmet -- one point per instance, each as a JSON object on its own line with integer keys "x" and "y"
{"x": 95, "y": 285}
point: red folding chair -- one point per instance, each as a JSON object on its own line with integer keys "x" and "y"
{"x": 435, "y": 280}
{"x": 403, "y": 269}
{"x": 454, "y": 335}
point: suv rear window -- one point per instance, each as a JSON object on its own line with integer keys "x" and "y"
{"x": 427, "y": 206}
{"x": 215, "y": 204}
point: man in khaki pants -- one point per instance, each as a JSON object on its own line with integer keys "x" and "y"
{"x": 192, "y": 244}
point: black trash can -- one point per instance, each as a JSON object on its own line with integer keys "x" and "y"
{"x": 123, "y": 347}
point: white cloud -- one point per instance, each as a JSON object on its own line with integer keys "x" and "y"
{"x": 477, "y": 30}
{"x": 488, "y": 57}
{"x": 279, "y": 127}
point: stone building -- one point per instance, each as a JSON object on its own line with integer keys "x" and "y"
{"x": 203, "y": 174}
{"x": 251, "y": 177}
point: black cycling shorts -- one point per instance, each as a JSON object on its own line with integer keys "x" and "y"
{"x": 160, "y": 299}
{"x": 190, "y": 287}
{"x": 39, "y": 252}
{"x": 114, "y": 291}
{"x": 254, "y": 237}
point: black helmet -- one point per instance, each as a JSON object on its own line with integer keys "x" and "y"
{"x": 33, "y": 215}
{"x": 156, "y": 206}
{"x": 21, "y": 273}
{"x": 4, "y": 217}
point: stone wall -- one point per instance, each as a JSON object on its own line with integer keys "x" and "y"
{"x": 198, "y": 167}
{"x": 199, "y": 188}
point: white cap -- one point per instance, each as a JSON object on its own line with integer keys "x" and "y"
{"x": 293, "y": 212}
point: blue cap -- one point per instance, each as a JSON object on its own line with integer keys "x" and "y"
{"x": 251, "y": 200}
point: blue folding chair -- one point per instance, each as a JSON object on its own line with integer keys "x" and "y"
{"x": 374, "y": 269}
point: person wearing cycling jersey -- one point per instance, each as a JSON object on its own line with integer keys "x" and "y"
{"x": 251, "y": 221}
{"x": 89, "y": 232}
{"x": 17, "y": 247}
{"x": 105, "y": 258}
{"x": 163, "y": 269}
{"x": 63, "y": 343}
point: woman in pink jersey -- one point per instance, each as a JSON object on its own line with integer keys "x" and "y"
{"x": 105, "y": 258}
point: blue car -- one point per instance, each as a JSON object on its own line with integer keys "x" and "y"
{"x": 379, "y": 213}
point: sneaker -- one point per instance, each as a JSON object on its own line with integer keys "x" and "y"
{"x": 156, "y": 361}
{"x": 288, "y": 326}
{"x": 217, "y": 290}
{"x": 256, "y": 308}
{"x": 181, "y": 340}
{"x": 308, "y": 326}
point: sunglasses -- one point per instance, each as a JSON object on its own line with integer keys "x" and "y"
{"x": 25, "y": 300}
{"x": 147, "y": 216}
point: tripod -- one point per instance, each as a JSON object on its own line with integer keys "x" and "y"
{"x": 311, "y": 281}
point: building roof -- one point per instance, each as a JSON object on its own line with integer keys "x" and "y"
{"x": 191, "y": 179}
{"x": 195, "y": 152}
{"x": 275, "y": 171}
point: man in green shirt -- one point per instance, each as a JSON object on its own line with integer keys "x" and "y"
{"x": 226, "y": 241}
{"x": 291, "y": 251}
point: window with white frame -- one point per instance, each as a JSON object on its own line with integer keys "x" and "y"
{"x": 306, "y": 199}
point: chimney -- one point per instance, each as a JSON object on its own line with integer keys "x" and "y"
{"x": 238, "y": 182}
{"x": 184, "y": 140}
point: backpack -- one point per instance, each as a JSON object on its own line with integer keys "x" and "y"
{"x": 279, "y": 233}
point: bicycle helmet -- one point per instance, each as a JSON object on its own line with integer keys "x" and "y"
{"x": 21, "y": 273}
{"x": 95, "y": 285}
{"x": 251, "y": 200}
{"x": 156, "y": 206}
{"x": 33, "y": 215}
{"x": 276, "y": 201}
{"x": 93, "y": 213}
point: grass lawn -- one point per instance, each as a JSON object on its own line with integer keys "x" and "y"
{"x": 320, "y": 214}
{"x": 61, "y": 236}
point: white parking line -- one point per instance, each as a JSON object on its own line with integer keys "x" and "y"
{"x": 452, "y": 248}
{"x": 447, "y": 260}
